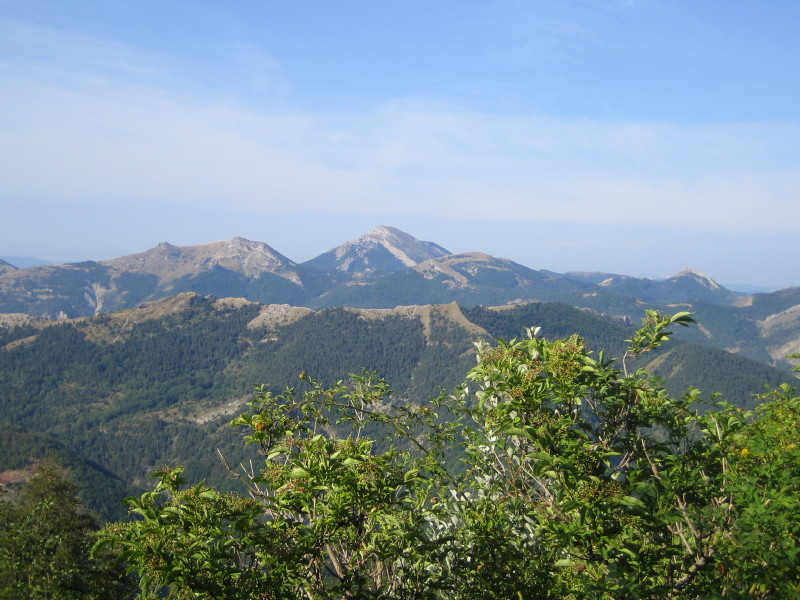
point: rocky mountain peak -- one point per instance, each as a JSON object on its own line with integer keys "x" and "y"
{"x": 382, "y": 249}
{"x": 404, "y": 247}
{"x": 253, "y": 258}
{"x": 699, "y": 277}
{"x": 240, "y": 255}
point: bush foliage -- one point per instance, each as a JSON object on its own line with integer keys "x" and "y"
{"x": 580, "y": 478}
{"x": 45, "y": 542}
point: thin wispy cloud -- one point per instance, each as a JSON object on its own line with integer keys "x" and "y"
{"x": 402, "y": 156}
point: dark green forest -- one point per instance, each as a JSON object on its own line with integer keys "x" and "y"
{"x": 116, "y": 396}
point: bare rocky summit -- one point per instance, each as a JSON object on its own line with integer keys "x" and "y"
{"x": 168, "y": 262}
{"x": 382, "y": 249}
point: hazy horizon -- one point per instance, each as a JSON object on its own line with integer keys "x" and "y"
{"x": 743, "y": 286}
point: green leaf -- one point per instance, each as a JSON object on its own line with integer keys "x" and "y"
{"x": 563, "y": 562}
{"x": 630, "y": 501}
{"x": 299, "y": 472}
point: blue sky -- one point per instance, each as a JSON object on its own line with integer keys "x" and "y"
{"x": 632, "y": 136}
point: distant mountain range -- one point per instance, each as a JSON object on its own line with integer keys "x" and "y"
{"x": 687, "y": 286}
{"x": 386, "y": 268}
{"x": 381, "y": 269}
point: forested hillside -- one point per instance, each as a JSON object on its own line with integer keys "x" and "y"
{"x": 123, "y": 393}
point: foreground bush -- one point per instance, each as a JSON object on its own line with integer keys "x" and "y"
{"x": 579, "y": 478}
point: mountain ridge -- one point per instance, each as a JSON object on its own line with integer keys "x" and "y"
{"x": 239, "y": 255}
{"x": 385, "y": 268}
{"x": 383, "y": 250}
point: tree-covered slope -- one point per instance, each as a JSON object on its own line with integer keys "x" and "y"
{"x": 132, "y": 390}
{"x": 21, "y": 451}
